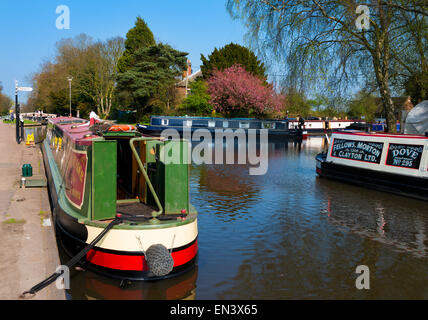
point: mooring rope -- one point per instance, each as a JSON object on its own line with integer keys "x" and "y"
{"x": 118, "y": 219}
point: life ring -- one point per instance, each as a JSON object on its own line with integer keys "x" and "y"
{"x": 121, "y": 127}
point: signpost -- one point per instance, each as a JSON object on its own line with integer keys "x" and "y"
{"x": 19, "y": 137}
{"x": 27, "y": 89}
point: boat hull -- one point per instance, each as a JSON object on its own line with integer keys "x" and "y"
{"x": 120, "y": 254}
{"x": 408, "y": 186}
{"x": 127, "y": 265}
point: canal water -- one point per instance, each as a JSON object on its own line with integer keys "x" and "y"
{"x": 38, "y": 132}
{"x": 289, "y": 235}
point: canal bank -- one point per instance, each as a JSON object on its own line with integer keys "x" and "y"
{"x": 28, "y": 251}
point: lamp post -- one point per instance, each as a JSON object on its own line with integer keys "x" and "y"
{"x": 70, "y": 78}
{"x": 17, "y": 122}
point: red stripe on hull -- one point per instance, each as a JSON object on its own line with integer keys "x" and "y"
{"x": 138, "y": 262}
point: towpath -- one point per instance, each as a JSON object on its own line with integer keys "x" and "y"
{"x": 28, "y": 249}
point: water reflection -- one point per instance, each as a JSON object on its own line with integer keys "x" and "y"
{"x": 397, "y": 222}
{"x": 290, "y": 235}
{"x": 38, "y": 131}
{"x": 93, "y": 287}
{"x": 306, "y": 236}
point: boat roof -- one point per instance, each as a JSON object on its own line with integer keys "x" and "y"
{"x": 215, "y": 118}
{"x": 381, "y": 135}
{"x": 248, "y": 119}
{"x": 83, "y": 135}
{"x": 70, "y": 127}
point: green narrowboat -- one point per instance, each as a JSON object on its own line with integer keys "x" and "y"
{"x": 97, "y": 176}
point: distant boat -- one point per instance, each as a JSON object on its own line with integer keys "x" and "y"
{"x": 276, "y": 128}
{"x": 317, "y": 126}
{"x": 99, "y": 178}
{"x": 396, "y": 163}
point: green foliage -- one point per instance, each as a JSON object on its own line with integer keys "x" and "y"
{"x": 319, "y": 45}
{"x": 297, "y": 104}
{"x": 417, "y": 87}
{"x": 14, "y": 221}
{"x": 198, "y": 101}
{"x": 153, "y": 72}
{"x": 138, "y": 37}
{"x": 5, "y": 102}
{"x": 230, "y": 55}
{"x": 363, "y": 106}
{"x": 92, "y": 65}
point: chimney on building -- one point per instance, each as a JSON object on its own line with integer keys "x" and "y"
{"x": 188, "y": 72}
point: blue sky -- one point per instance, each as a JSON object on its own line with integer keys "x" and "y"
{"x": 28, "y": 30}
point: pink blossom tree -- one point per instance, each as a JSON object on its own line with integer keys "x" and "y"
{"x": 236, "y": 91}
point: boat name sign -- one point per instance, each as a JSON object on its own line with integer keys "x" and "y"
{"x": 357, "y": 150}
{"x": 404, "y": 155}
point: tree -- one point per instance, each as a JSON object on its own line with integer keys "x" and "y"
{"x": 5, "y": 102}
{"x": 93, "y": 66}
{"x": 235, "y": 91}
{"x": 50, "y": 89}
{"x": 363, "y": 106}
{"x": 164, "y": 99}
{"x": 417, "y": 87}
{"x": 138, "y": 37}
{"x": 198, "y": 101}
{"x": 320, "y": 41}
{"x": 98, "y": 72}
{"x": 154, "y": 70}
{"x": 296, "y": 102}
{"x": 230, "y": 55}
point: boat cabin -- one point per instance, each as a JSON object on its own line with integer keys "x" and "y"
{"x": 389, "y": 153}
{"x": 392, "y": 163}
{"x": 107, "y": 173}
{"x": 219, "y": 123}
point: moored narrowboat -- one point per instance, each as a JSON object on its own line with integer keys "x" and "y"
{"x": 100, "y": 175}
{"x": 275, "y": 128}
{"x": 316, "y": 127}
{"x": 395, "y": 163}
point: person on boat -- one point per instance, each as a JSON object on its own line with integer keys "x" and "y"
{"x": 327, "y": 125}
{"x": 93, "y": 119}
{"x": 301, "y": 122}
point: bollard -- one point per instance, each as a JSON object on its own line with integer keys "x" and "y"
{"x": 27, "y": 170}
{"x": 24, "y": 170}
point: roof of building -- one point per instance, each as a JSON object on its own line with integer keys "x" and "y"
{"x": 191, "y": 78}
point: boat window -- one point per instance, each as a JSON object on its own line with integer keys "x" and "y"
{"x": 244, "y": 125}
{"x": 187, "y": 123}
{"x": 211, "y": 124}
{"x": 165, "y": 122}
{"x": 268, "y": 125}
{"x": 225, "y": 124}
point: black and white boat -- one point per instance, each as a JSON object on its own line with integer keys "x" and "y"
{"x": 276, "y": 128}
{"x": 315, "y": 126}
{"x": 396, "y": 163}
